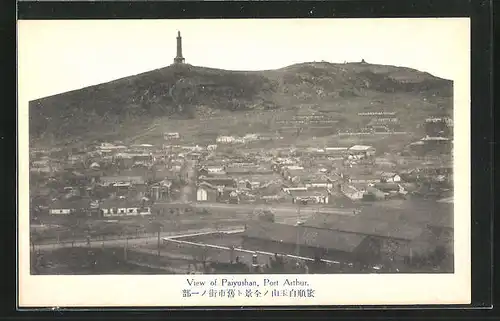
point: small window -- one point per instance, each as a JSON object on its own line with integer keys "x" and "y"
{"x": 122, "y": 211}
{"x": 131, "y": 210}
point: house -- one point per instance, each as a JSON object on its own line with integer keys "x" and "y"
{"x": 434, "y": 144}
{"x": 70, "y": 207}
{"x": 95, "y": 166}
{"x": 131, "y": 180}
{"x": 335, "y": 151}
{"x": 206, "y": 192}
{"x": 142, "y": 148}
{"x": 291, "y": 174}
{"x": 124, "y": 207}
{"x": 388, "y": 177}
{"x": 394, "y": 234}
{"x": 161, "y": 190}
{"x": 353, "y": 193}
{"x": 41, "y": 166}
{"x": 308, "y": 197}
{"x": 227, "y": 194}
{"x": 388, "y": 187}
{"x": 304, "y": 241}
{"x": 226, "y": 139}
{"x": 438, "y": 126}
{"x": 248, "y": 170}
{"x": 165, "y": 208}
{"x": 362, "y": 178}
{"x": 201, "y": 194}
{"x": 362, "y": 150}
{"x": 211, "y": 170}
{"x": 108, "y": 147}
{"x": 319, "y": 184}
{"x": 219, "y": 181}
{"x": 289, "y": 190}
{"x": 171, "y": 136}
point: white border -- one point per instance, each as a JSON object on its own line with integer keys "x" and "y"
{"x": 370, "y": 289}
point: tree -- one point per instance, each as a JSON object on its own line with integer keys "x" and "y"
{"x": 265, "y": 215}
{"x": 200, "y": 254}
{"x": 157, "y": 227}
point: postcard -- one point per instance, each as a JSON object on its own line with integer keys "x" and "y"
{"x": 274, "y": 162}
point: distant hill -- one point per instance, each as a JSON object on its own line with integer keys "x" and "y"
{"x": 189, "y": 92}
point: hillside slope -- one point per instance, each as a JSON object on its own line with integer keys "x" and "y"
{"x": 189, "y": 92}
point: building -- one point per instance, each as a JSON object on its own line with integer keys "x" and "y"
{"x": 201, "y": 194}
{"x": 165, "y": 208}
{"x": 388, "y": 177}
{"x": 161, "y": 191}
{"x": 123, "y": 207}
{"x": 41, "y": 166}
{"x": 171, "y": 136}
{"x": 397, "y": 235}
{"x": 249, "y": 170}
{"x": 377, "y": 114}
{"x": 308, "y": 197}
{"x": 212, "y": 147}
{"x": 179, "y": 59}
{"x": 211, "y": 170}
{"x": 438, "y": 127}
{"x": 131, "y": 180}
{"x": 336, "y": 151}
{"x": 362, "y": 150}
{"x": 107, "y": 147}
{"x": 301, "y": 241}
{"x": 81, "y": 207}
{"x": 219, "y": 181}
{"x": 226, "y": 139}
{"x": 206, "y": 192}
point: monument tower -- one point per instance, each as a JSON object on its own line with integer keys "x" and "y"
{"x": 179, "y": 59}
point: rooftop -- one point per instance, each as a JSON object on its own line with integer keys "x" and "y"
{"x": 360, "y": 148}
{"x": 303, "y": 235}
{"x": 365, "y": 226}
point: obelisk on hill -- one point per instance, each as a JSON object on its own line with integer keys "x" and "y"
{"x": 179, "y": 59}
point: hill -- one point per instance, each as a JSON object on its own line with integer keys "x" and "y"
{"x": 128, "y": 106}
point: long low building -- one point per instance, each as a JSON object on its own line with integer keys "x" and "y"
{"x": 370, "y": 236}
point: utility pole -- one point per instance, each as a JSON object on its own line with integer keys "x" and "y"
{"x": 125, "y": 249}
{"x": 159, "y": 229}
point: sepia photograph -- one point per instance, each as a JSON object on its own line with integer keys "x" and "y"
{"x": 256, "y": 160}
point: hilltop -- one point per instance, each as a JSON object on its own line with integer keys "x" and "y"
{"x": 162, "y": 97}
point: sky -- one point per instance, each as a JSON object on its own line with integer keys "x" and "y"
{"x": 55, "y": 56}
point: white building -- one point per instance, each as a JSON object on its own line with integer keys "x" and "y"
{"x": 170, "y": 136}
{"x": 226, "y": 139}
{"x": 123, "y": 209}
{"x": 390, "y": 177}
{"x": 201, "y": 194}
{"x": 362, "y": 149}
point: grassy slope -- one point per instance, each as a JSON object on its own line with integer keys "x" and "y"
{"x": 146, "y": 105}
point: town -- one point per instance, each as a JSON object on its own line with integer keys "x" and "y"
{"x": 331, "y": 203}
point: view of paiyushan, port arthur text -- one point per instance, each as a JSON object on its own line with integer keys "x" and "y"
{"x": 244, "y": 162}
